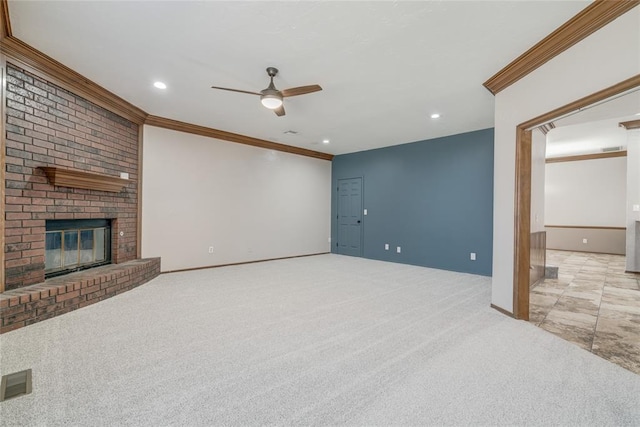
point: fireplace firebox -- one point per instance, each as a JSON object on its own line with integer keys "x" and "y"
{"x": 73, "y": 245}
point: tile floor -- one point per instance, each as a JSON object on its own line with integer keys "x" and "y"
{"x": 593, "y": 303}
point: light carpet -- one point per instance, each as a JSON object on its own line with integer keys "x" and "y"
{"x": 322, "y": 340}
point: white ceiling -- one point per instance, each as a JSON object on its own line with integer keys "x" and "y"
{"x": 594, "y": 128}
{"x": 585, "y": 138}
{"x": 385, "y": 66}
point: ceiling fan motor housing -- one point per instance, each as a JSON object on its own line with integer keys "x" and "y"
{"x": 271, "y": 97}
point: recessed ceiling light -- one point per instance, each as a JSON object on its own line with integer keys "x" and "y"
{"x": 160, "y": 85}
{"x": 325, "y": 141}
{"x": 435, "y": 116}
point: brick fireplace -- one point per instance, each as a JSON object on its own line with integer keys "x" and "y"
{"x": 49, "y": 128}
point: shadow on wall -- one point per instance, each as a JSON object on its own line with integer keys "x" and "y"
{"x": 433, "y": 198}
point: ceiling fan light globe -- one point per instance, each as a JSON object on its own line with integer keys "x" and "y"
{"x": 271, "y": 101}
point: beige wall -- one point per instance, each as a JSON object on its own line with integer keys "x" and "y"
{"x": 599, "y": 240}
{"x": 606, "y": 57}
{"x": 633, "y": 199}
{"x": 248, "y": 203}
{"x": 587, "y": 192}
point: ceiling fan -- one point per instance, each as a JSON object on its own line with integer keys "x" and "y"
{"x": 272, "y": 97}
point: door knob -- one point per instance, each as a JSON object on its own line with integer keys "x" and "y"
{"x": 358, "y": 221}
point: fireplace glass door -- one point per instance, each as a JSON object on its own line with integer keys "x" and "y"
{"x": 71, "y": 246}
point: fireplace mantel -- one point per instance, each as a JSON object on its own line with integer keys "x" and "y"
{"x": 82, "y": 179}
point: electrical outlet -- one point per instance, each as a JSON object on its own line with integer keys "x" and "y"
{"x": 386, "y": 246}
{"x": 584, "y": 240}
{"x": 398, "y": 249}
{"x": 210, "y": 249}
{"x": 472, "y": 256}
{"x": 636, "y": 208}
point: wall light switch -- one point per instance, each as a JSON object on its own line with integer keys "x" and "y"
{"x": 329, "y": 239}
{"x": 124, "y": 175}
{"x": 210, "y": 249}
{"x": 365, "y": 211}
{"x": 472, "y": 256}
{"x": 636, "y": 208}
{"x": 398, "y": 249}
{"x": 386, "y": 246}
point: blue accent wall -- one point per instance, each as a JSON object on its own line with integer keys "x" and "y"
{"x": 432, "y": 198}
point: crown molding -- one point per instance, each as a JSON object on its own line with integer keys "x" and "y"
{"x": 587, "y": 227}
{"x": 633, "y": 124}
{"x": 36, "y": 62}
{"x": 589, "y": 20}
{"x": 5, "y": 22}
{"x": 580, "y": 157}
{"x": 232, "y": 137}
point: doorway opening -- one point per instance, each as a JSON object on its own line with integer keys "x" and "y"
{"x": 522, "y": 250}
{"x": 618, "y": 287}
{"x": 582, "y": 193}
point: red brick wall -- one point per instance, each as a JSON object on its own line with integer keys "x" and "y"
{"x": 49, "y": 126}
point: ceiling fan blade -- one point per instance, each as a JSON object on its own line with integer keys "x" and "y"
{"x": 279, "y": 111}
{"x": 236, "y": 90}
{"x": 301, "y": 90}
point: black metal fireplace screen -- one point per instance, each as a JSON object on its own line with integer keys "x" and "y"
{"x": 72, "y": 245}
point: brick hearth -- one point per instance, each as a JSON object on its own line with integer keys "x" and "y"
{"x": 60, "y": 295}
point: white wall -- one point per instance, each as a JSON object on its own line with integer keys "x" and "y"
{"x": 587, "y": 192}
{"x": 248, "y": 203}
{"x": 538, "y": 157}
{"x": 606, "y": 57}
{"x": 633, "y": 198}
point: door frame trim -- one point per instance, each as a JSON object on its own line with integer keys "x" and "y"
{"x": 523, "y": 187}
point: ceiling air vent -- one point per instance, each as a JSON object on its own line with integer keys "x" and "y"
{"x": 610, "y": 149}
{"x": 290, "y": 132}
{"x": 546, "y": 128}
